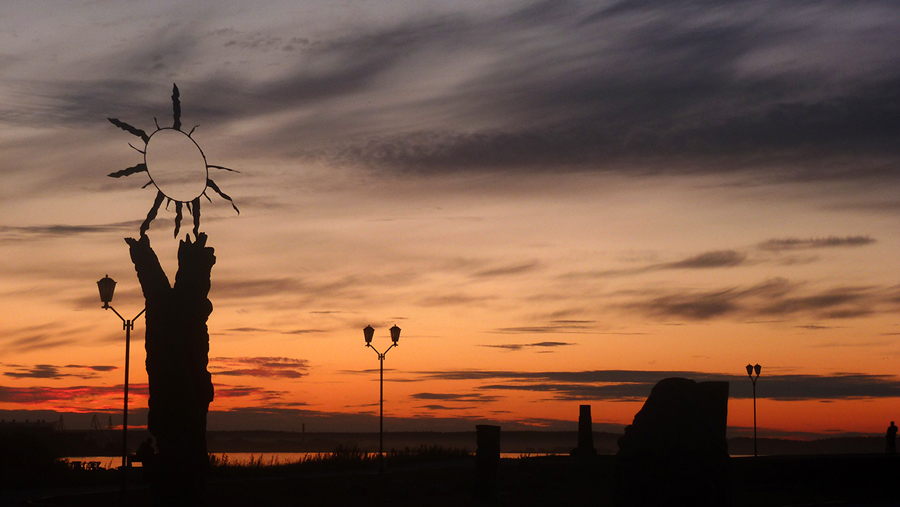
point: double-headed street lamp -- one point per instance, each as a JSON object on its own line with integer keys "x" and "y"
{"x": 368, "y": 332}
{"x": 107, "y": 287}
{"x": 750, "y": 370}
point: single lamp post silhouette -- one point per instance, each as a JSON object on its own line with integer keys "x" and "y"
{"x": 368, "y": 332}
{"x": 750, "y": 370}
{"x": 107, "y": 287}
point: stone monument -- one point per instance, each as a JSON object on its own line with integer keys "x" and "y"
{"x": 675, "y": 452}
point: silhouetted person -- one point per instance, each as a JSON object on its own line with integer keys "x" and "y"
{"x": 891, "y": 439}
{"x": 145, "y": 454}
{"x": 145, "y": 450}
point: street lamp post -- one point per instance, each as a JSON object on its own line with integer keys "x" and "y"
{"x": 368, "y": 332}
{"x": 750, "y": 370}
{"x": 107, "y": 287}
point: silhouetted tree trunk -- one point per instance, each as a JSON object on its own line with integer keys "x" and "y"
{"x": 177, "y": 343}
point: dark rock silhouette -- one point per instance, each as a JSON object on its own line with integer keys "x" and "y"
{"x": 585, "y": 433}
{"x": 487, "y": 461}
{"x": 177, "y": 343}
{"x": 675, "y": 452}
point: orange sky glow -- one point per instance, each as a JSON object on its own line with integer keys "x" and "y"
{"x": 556, "y": 207}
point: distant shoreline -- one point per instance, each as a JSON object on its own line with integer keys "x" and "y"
{"x": 100, "y": 442}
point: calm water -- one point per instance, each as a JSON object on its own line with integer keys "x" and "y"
{"x": 243, "y": 458}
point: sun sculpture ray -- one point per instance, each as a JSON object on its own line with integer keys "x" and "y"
{"x": 177, "y": 169}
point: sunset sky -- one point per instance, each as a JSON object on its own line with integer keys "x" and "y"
{"x": 559, "y": 202}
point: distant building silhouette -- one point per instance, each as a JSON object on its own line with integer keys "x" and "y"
{"x": 585, "y": 433}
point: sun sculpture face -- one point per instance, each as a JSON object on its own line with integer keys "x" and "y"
{"x": 177, "y": 169}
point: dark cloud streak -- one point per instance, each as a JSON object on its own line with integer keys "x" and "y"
{"x": 61, "y": 230}
{"x": 717, "y": 259}
{"x": 627, "y": 385}
{"x": 538, "y": 345}
{"x": 647, "y": 86}
{"x": 37, "y": 395}
{"x": 262, "y": 367}
{"x": 813, "y": 243}
{"x": 772, "y": 298}
{"x": 663, "y": 92}
{"x": 455, "y": 397}
{"x": 49, "y": 371}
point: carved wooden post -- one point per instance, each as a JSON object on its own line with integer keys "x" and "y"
{"x": 177, "y": 344}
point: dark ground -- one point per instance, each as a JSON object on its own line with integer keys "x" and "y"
{"x": 541, "y": 481}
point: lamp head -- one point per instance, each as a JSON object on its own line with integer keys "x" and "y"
{"x": 757, "y": 368}
{"x": 368, "y": 331}
{"x": 107, "y": 287}
{"x": 395, "y": 334}
{"x": 750, "y": 370}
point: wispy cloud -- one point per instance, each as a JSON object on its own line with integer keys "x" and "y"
{"x": 38, "y": 371}
{"x": 454, "y": 397}
{"x": 766, "y": 252}
{"x": 257, "y": 330}
{"x": 554, "y": 326}
{"x": 446, "y": 407}
{"x": 37, "y": 395}
{"x": 260, "y": 394}
{"x": 513, "y": 269}
{"x": 717, "y": 89}
{"x": 630, "y": 385}
{"x": 263, "y": 367}
{"x": 288, "y": 292}
{"x": 716, "y": 259}
{"x": 453, "y": 299}
{"x": 811, "y": 243}
{"x": 699, "y": 69}
{"x": 95, "y": 368}
{"x": 48, "y": 371}
{"x": 776, "y": 297}
{"x": 61, "y": 230}
{"x": 537, "y": 345}
{"x": 705, "y": 260}
{"x": 42, "y": 336}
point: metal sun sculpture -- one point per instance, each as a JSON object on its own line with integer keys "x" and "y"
{"x": 176, "y": 166}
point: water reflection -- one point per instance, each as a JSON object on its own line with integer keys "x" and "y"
{"x": 254, "y": 458}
